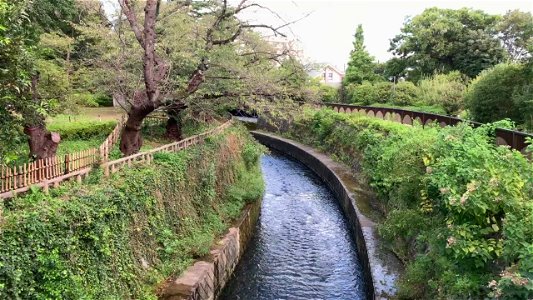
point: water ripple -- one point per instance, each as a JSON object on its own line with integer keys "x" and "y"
{"x": 302, "y": 248}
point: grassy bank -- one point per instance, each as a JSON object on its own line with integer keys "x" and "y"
{"x": 458, "y": 210}
{"x": 119, "y": 238}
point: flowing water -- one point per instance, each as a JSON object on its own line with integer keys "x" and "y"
{"x": 302, "y": 247}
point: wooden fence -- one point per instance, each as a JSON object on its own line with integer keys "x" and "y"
{"x": 53, "y": 170}
{"x": 19, "y": 178}
{"x": 148, "y": 156}
{"x": 45, "y": 171}
{"x": 111, "y": 139}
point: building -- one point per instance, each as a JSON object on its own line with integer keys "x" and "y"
{"x": 328, "y": 74}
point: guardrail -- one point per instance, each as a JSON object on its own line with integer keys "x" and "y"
{"x": 515, "y": 139}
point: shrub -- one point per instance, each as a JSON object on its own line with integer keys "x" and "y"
{"x": 369, "y": 93}
{"x": 103, "y": 100}
{"x": 523, "y": 98}
{"x": 84, "y": 99}
{"x": 404, "y": 93}
{"x": 417, "y": 107}
{"x": 458, "y": 209}
{"x": 363, "y": 93}
{"x": 383, "y": 91}
{"x": 328, "y": 93}
{"x": 445, "y": 90}
{"x": 489, "y": 96}
{"x": 82, "y": 130}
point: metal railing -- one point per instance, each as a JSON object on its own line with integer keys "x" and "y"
{"x": 515, "y": 139}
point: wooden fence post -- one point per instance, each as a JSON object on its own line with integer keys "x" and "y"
{"x": 67, "y": 162}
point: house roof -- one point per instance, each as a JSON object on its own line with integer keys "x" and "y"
{"x": 334, "y": 69}
{"x": 319, "y": 72}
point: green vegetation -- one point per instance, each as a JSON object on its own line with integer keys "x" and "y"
{"x": 328, "y": 93}
{"x": 458, "y": 210}
{"x": 81, "y": 130}
{"x": 443, "y": 40}
{"x": 422, "y": 108}
{"x": 444, "y": 90}
{"x": 361, "y": 64}
{"x": 430, "y": 96}
{"x": 501, "y": 92}
{"x": 465, "y": 61}
{"x": 121, "y": 237}
{"x": 78, "y": 132}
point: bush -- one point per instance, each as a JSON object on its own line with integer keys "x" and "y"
{"x": 404, "y": 93}
{"x": 489, "y": 96}
{"x": 328, "y": 93}
{"x": 384, "y": 91}
{"x": 417, "y": 107}
{"x": 84, "y": 99}
{"x": 82, "y": 130}
{"x": 523, "y": 98}
{"x": 362, "y": 93}
{"x": 368, "y": 93}
{"x": 103, "y": 100}
{"x": 445, "y": 90}
{"x": 458, "y": 209}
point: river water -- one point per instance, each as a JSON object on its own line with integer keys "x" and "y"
{"x": 302, "y": 248}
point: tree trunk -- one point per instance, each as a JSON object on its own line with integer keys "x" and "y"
{"x": 43, "y": 144}
{"x": 131, "y": 138}
{"x": 174, "y": 129}
{"x": 174, "y": 125}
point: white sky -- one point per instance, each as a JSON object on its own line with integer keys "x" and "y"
{"x": 326, "y": 35}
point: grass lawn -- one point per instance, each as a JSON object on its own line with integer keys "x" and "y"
{"x": 100, "y": 114}
{"x": 89, "y": 128}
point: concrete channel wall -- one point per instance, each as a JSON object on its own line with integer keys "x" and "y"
{"x": 381, "y": 268}
{"x": 206, "y": 278}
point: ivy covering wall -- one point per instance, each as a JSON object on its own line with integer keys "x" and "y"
{"x": 121, "y": 237}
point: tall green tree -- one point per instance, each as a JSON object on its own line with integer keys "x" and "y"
{"x": 23, "y": 22}
{"x": 361, "y": 65}
{"x": 442, "y": 40}
{"x": 15, "y": 70}
{"x": 516, "y": 32}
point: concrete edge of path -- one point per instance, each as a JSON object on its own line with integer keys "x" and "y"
{"x": 381, "y": 268}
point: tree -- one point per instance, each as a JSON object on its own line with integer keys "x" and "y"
{"x": 201, "y": 72}
{"x": 37, "y": 39}
{"x": 14, "y": 75}
{"x": 516, "y": 32}
{"x": 361, "y": 65}
{"x": 442, "y": 40}
{"x": 444, "y": 90}
{"x": 490, "y": 96}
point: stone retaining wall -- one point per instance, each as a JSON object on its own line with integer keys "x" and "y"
{"x": 205, "y": 279}
{"x": 381, "y": 268}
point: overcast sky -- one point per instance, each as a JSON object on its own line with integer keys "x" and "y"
{"x": 326, "y": 34}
